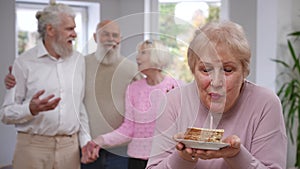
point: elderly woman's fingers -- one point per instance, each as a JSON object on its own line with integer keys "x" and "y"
{"x": 187, "y": 153}
{"x": 180, "y": 146}
{"x": 233, "y": 140}
{"x": 226, "y": 152}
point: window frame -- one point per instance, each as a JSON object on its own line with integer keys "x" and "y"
{"x": 86, "y": 9}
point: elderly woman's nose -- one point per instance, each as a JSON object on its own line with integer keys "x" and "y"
{"x": 217, "y": 79}
{"x": 138, "y": 56}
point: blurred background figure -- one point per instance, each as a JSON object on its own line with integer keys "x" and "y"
{"x": 108, "y": 74}
{"x": 49, "y": 127}
{"x": 143, "y": 98}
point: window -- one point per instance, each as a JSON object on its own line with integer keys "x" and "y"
{"x": 26, "y": 23}
{"x": 177, "y": 22}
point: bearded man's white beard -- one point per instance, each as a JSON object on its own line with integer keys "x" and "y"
{"x": 108, "y": 56}
{"x": 62, "y": 48}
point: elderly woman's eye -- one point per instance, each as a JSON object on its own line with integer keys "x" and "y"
{"x": 206, "y": 70}
{"x": 228, "y": 70}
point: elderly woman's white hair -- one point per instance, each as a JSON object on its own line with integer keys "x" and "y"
{"x": 159, "y": 53}
{"x": 217, "y": 38}
{"x": 51, "y": 15}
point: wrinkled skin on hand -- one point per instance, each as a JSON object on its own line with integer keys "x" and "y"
{"x": 90, "y": 152}
{"x": 38, "y": 105}
{"x": 192, "y": 154}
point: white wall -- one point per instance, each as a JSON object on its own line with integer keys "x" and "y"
{"x": 7, "y": 50}
{"x": 129, "y": 14}
{"x": 267, "y": 28}
{"x": 110, "y": 9}
{"x": 132, "y": 26}
{"x": 244, "y": 12}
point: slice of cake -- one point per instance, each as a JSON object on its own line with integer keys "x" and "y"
{"x": 204, "y": 134}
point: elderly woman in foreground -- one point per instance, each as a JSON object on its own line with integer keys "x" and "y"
{"x": 219, "y": 58}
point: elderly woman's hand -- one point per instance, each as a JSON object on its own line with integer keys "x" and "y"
{"x": 192, "y": 154}
{"x": 186, "y": 153}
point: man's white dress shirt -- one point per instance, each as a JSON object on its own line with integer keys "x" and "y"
{"x": 65, "y": 78}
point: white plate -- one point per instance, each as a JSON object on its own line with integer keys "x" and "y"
{"x": 200, "y": 144}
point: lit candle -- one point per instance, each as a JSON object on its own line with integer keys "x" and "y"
{"x": 211, "y": 121}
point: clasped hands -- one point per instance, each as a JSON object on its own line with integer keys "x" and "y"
{"x": 90, "y": 152}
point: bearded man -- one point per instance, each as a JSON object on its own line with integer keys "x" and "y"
{"x": 107, "y": 76}
{"x": 49, "y": 126}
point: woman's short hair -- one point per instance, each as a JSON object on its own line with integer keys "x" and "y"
{"x": 51, "y": 15}
{"x": 159, "y": 53}
{"x": 217, "y": 38}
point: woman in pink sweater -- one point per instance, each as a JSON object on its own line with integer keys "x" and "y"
{"x": 142, "y": 105}
{"x": 219, "y": 58}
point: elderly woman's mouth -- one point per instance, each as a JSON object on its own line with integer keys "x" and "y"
{"x": 215, "y": 96}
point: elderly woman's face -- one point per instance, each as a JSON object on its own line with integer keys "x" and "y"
{"x": 219, "y": 81}
{"x": 143, "y": 59}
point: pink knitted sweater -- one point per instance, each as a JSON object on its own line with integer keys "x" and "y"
{"x": 142, "y": 106}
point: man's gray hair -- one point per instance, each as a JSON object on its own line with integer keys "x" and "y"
{"x": 50, "y": 15}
